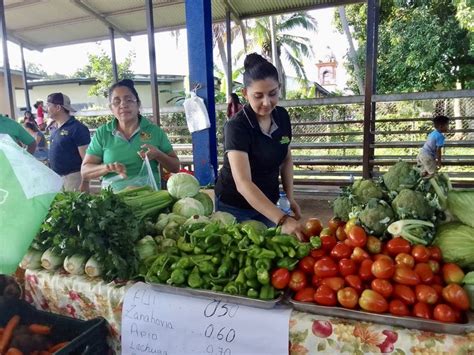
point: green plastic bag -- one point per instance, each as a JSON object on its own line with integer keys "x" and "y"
{"x": 27, "y": 188}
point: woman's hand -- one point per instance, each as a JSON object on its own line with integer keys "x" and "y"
{"x": 296, "y": 209}
{"x": 116, "y": 168}
{"x": 150, "y": 151}
{"x": 292, "y": 226}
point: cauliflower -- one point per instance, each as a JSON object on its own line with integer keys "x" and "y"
{"x": 342, "y": 207}
{"x": 411, "y": 204}
{"x": 376, "y": 216}
{"x": 364, "y": 190}
{"x": 401, "y": 176}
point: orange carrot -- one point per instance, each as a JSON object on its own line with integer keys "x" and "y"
{"x": 14, "y": 351}
{"x": 8, "y": 333}
{"x": 39, "y": 329}
{"x": 58, "y": 346}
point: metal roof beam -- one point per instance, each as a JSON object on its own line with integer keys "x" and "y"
{"x": 89, "y": 9}
{"x": 233, "y": 11}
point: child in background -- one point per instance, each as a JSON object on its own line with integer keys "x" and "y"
{"x": 429, "y": 158}
{"x": 40, "y": 115}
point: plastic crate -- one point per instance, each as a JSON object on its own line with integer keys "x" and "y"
{"x": 85, "y": 337}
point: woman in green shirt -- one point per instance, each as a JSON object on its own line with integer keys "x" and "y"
{"x": 119, "y": 147}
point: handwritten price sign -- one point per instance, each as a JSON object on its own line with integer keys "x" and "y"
{"x": 160, "y": 323}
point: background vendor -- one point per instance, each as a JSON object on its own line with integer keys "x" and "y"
{"x": 119, "y": 147}
{"x": 256, "y": 144}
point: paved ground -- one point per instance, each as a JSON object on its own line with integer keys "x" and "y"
{"x": 315, "y": 206}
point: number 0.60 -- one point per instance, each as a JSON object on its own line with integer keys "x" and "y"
{"x": 228, "y": 335}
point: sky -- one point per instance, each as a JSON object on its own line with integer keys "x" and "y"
{"x": 173, "y": 58}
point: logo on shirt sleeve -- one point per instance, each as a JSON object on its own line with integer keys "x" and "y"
{"x": 145, "y": 136}
{"x": 64, "y": 132}
{"x": 285, "y": 140}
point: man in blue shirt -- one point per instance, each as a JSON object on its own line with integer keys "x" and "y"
{"x": 68, "y": 143}
{"x": 429, "y": 158}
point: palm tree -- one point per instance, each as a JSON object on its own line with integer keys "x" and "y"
{"x": 294, "y": 48}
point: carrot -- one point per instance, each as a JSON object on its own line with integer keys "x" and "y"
{"x": 14, "y": 351}
{"x": 8, "y": 333}
{"x": 58, "y": 346}
{"x": 39, "y": 329}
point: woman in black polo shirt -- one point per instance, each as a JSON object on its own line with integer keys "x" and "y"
{"x": 256, "y": 143}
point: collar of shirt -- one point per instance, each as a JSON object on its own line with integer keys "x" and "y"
{"x": 252, "y": 119}
{"x": 142, "y": 123}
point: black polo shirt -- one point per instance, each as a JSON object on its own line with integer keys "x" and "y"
{"x": 266, "y": 153}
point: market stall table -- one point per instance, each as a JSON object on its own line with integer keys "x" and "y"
{"x": 85, "y": 298}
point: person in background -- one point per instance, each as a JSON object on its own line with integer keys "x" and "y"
{"x": 68, "y": 143}
{"x": 256, "y": 153}
{"x": 234, "y": 105}
{"x": 17, "y": 132}
{"x": 40, "y": 114}
{"x": 429, "y": 158}
{"x": 41, "y": 152}
{"x": 28, "y": 117}
{"x": 119, "y": 147}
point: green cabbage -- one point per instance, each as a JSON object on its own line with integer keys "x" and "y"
{"x": 456, "y": 241}
{"x": 206, "y": 201}
{"x": 182, "y": 185}
{"x": 146, "y": 247}
{"x": 224, "y": 219}
{"x": 461, "y": 204}
{"x": 258, "y": 226}
{"x": 188, "y": 207}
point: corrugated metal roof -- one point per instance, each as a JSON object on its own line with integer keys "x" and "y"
{"x": 40, "y": 24}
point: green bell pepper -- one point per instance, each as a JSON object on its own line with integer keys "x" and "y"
{"x": 267, "y": 292}
{"x": 184, "y": 246}
{"x": 250, "y": 272}
{"x": 253, "y": 235}
{"x": 253, "y": 283}
{"x": 265, "y": 264}
{"x": 303, "y": 250}
{"x": 240, "y": 279}
{"x": 252, "y": 293}
{"x": 194, "y": 278}
{"x": 263, "y": 276}
{"x": 286, "y": 240}
{"x": 206, "y": 267}
{"x": 231, "y": 288}
{"x": 178, "y": 277}
{"x": 287, "y": 263}
{"x": 315, "y": 242}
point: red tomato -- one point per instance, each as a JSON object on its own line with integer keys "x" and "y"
{"x": 456, "y": 296}
{"x": 404, "y": 293}
{"x": 355, "y": 282}
{"x": 348, "y": 297}
{"x": 305, "y": 295}
{"x": 359, "y": 254}
{"x": 422, "y": 310}
{"x": 325, "y": 296}
{"x": 426, "y": 294}
{"x": 297, "y": 280}
{"x": 316, "y": 281}
{"x": 383, "y": 287}
{"x": 452, "y": 273}
{"x": 280, "y": 278}
{"x": 434, "y": 265}
{"x": 341, "y": 251}
{"x": 444, "y": 313}
{"x": 347, "y": 267}
{"x": 423, "y": 270}
{"x": 350, "y": 223}
{"x": 438, "y": 288}
{"x": 373, "y": 302}
{"x": 398, "y": 308}
{"x": 374, "y": 245}
{"x": 357, "y": 237}
{"x": 383, "y": 268}
{"x": 420, "y": 253}
{"x": 312, "y": 227}
{"x": 328, "y": 242}
{"x": 341, "y": 234}
{"x": 334, "y": 223}
{"x": 365, "y": 270}
{"x": 325, "y": 267}
{"x": 382, "y": 256}
{"x": 335, "y": 283}
{"x": 307, "y": 264}
{"x": 405, "y": 276}
{"x": 437, "y": 280}
{"x": 398, "y": 245}
{"x": 435, "y": 253}
{"x": 317, "y": 253}
{"x": 406, "y": 259}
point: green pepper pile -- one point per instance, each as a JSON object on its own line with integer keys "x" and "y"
{"x": 234, "y": 259}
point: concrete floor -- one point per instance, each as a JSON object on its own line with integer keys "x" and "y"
{"x": 315, "y": 206}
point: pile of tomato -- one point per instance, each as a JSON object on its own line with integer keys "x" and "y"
{"x": 357, "y": 271}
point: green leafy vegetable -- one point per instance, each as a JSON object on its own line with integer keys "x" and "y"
{"x": 182, "y": 185}
{"x": 456, "y": 241}
{"x": 188, "y": 207}
{"x": 376, "y": 216}
{"x": 402, "y": 175}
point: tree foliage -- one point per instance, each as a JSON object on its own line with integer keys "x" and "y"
{"x": 100, "y": 68}
{"x": 422, "y": 46}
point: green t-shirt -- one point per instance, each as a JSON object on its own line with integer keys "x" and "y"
{"x": 109, "y": 145}
{"x": 15, "y": 130}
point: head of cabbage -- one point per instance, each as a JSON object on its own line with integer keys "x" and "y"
{"x": 182, "y": 185}
{"x": 456, "y": 241}
{"x": 188, "y": 207}
{"x": 206, "y": 202}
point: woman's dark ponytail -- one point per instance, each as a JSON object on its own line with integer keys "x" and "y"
{"x": 258, "y": 68}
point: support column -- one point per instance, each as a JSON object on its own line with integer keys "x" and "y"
{"x": 6, "y": 62}
{"x": 25, "y": 79}
{"x": 150, "y": 26}
{"x": 373, "y": 10}
{"x": 228, "y": 33}
{"x": 114, "y": 58}
{"x": 199, "y": 31}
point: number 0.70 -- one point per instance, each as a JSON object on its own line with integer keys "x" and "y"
{"x": 228, "y": 336}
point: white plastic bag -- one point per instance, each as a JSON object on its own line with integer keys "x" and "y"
{"x": 27, "y": 188}
{"x": 197, "y": 117}
{"x": 144, "y": 178}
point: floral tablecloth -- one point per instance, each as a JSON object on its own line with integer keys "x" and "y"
{"x": 85, "y": 298}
